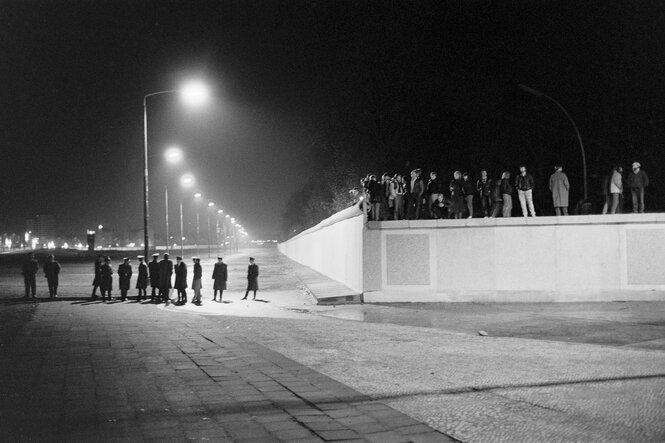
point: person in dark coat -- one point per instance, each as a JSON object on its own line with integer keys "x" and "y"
{"x": 252, "y": 278}
{"x": 29, "y": 270}
{"x": 220, "y": 275}
{"x": 196, "y": 281}
{"x": 98, "y": 275}
{"x": 106, "y": 279}
{"x": 51, "y": 272}
{"x": 468, "y": 191}
{"x": 416, "y": 192}
{"x": 142, "y": 280}
{"x": 153, "y": 268}
{"x": 124, "y": 275}
{"x": 485, "y": 186}
{"x": 456, "y": 196}
{"x": 165, "y": 273}
{"x": 181, "y": 280}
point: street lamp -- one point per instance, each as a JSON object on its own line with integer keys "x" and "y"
{"x": 186, "y": 181}
{"x": 197, "y": 198}
{"x": 192, "y": 93}
{"x": 579, "y": 138}
{"x": 210, "y": 205}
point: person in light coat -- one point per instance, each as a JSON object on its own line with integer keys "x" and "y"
{"x": 559, "y": 186}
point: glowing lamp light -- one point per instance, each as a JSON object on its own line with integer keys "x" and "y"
{"x": 173, "y": 154}
{"x": 194, "y": 93}
{"x": 187, "y": 180}
{"x": 211, "y": 204}
{"x": 219, "y": 211}
{"x": 100, "y": 227}
{"x": 198, "y": 195}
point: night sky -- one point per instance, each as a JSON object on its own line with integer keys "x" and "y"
{"x": 74, "y": 74}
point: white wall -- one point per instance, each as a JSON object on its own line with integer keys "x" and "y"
{"x": 537, "y": 259}
{"x": 333, "y": 247}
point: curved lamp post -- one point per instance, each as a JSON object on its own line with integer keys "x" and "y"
{"x": 192, "y": 93}
{"x": 577, "y": 132}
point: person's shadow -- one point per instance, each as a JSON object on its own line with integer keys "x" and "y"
{"x": 261, "y": 300}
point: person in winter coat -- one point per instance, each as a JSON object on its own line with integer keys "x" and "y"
{"x": 51, "y": 272}
{"x": 525, "y": 184}
{"x": 124, "y": 275}
{"x": 181, "y": 280}
{"x": 153, "y": 269}
{"x": 98, "y": 275}
{"x": 616, "y": 189}
{"x": 637, "y": 180}
{"x": 506, "y": 194}
{"x": 106, "y": 279}
{"x": 29, "y": 270}
{"x": 398, "y": 195}
{"x": 456, "y": 196}
{"x": 142, "y": 280}
{"x": 219, "y": 275}
{"x": 252, "y": 278}
{"x": 484, "y": 186}
{"x": 196, "y": 281}
{"x": 165, "y": 273}
{"x": 559, "y": 186}
{"x": 497, "y": 199}
{"x": 468, "y": 191}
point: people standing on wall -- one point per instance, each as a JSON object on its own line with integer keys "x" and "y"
{"x": 98, "y": 275}
{"x": 506, "y": 194}
{"x": 51, "y": 272}
{"x": 219, "y": 275}
{"x": 165, "y": 273}
{"x": 637, "y": 180}
{"x": 153, "y": 268}
{"x": 559, "y": 186}
{"x": 496, "y": 199}
{"x": 181, "y": 280}
{"x": 106, "y": 279}
{"x": 456, "y": 195}
{"x": 142, "y": 279}
{"x": 525, "y": 184}
{"x": 252, "y": 278}
{"x": 196, "y": 281}
{"x": 398, "y": 194}
{"x": 416, "y": 191}
{"x": 484, "y": 186}
{"x": 616, "y": 189}
{"x": 468, "y": 191}
{"x": 124, "y": 275}
{"x": 29, "y": 269}
{"x": 434, "y": 188}
{"x": 386, "y": 203}
{"x": 374, "y": 189}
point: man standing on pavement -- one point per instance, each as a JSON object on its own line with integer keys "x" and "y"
{"x": 51, "y": 271}
{"x": 637, "y": 180}
{"x": 181, "y": 280}
{"x": 220, "y": 275}
{"x": 106, "y": 279}
{"x": 29, "y": 271}
{"x": 142, "y": 280}
{"x": 196, "y": 281}
{"x": 98, "y": 275}
{"x": 124, "y": 275}
{"x": 165, "y": 273}
{"x": 252, "y": 278}
{"x": 559, "y": 186}
{"x": 524, "y": 184}
{"x": 153, "y": 268}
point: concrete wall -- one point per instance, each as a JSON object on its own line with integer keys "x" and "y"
{"x": 577, "y": 258}
{"x": 334, "y": 248}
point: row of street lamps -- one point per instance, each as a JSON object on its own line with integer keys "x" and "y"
{"x": 192, "y": 94}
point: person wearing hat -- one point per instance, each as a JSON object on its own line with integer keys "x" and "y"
{"x": 51, "y": 272}
{"x": 124, "y": 275}
{"x": 559, "y": 186}
{"x": 220, "y": 275}
{"x": 142, "y": 280}
{"x": 106, "y": 279}
{"x": 153, "y": 268}
{"x": 98, "y": 275}
{"x": 637, "y": 180}
{"x": 181, "y": 280}
{"x": 196, "y": 281}
{"x": 165, "y": 273}
{"x": 252, "y": 278}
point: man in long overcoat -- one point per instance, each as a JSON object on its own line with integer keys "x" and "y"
{"x": 220, "y": 275}
{"x": 153, "y": 267}
{"x": 165, "y": 273}
{"x": 181, "y": 280}
{"x": 98, "y": 275}
{"x": 124, "y": 275}
{"x": 252, "y": 278}
{"x": 51, "y": 272}
{"x": 559, "y": 186}
{"x": 29, "y": 271}
{"x": 106, "y": 279}
{"x": 142, "y": 280}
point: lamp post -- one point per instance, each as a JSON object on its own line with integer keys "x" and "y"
{"x": 577, "y": 132}
{"x": 219, "y": 213}
{"x": 192, "y": 93}
{"x": 186, "y": 181}
{"x": 172, "y": 155}
{"x": 210, "y": 205}
{"x": 197, "y": 198}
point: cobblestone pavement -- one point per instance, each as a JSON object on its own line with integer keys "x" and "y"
{"x": 128, "y": 372}
{"x": 555, "y": 372}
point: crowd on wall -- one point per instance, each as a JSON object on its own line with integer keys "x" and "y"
{"x": 398, "y": 197}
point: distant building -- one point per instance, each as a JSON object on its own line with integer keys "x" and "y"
{"x": 43, "y": 226}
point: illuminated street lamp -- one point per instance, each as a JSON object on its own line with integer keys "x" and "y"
{"x": 577, "y": 132}
{"x": 197, "y": 198}
{"x": 186, "y": 181}
{"x": 210, "y": 206}
{"x": 191, "y": 93}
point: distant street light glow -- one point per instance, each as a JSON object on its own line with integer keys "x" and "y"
{"x": 198, "y": 195}
{"x": 187, "y": 180}
{"x": 173, "y": 154}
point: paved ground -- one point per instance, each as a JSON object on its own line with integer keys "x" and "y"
{"x": 283, "y": 368}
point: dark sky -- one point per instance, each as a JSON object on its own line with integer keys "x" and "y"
{"x": 73, "y": 75}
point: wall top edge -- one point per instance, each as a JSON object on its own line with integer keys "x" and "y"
{"x": 344, "y": 214}
{"x": 616, "y": 219}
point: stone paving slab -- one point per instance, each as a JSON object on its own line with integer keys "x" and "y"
{"x": 130, "y": 372}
